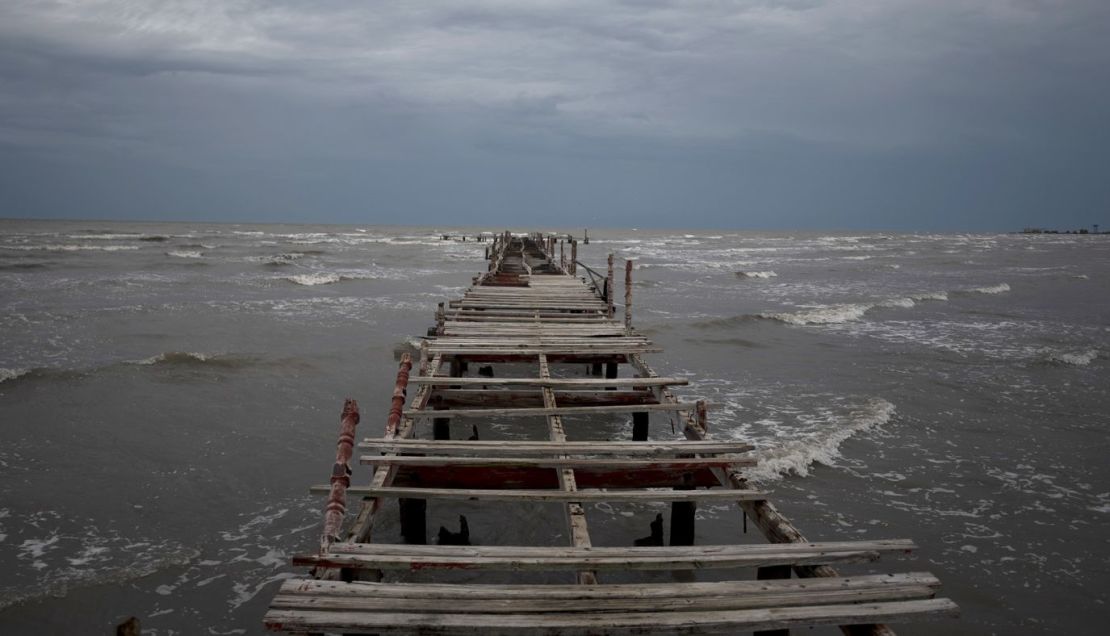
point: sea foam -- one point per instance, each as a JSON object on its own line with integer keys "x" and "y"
{"x": 796, "y": 457}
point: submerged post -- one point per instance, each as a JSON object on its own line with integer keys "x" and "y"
{"x": 609, "y": 286}
{"x": 628, "y": 296}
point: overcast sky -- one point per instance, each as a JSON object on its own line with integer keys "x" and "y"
{"x": 899, "y": 114}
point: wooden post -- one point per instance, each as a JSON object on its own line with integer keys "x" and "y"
{"x": 341, "y": 470}
{"x": 414, "y": 520}
{"x": 768, "y": 573}
{"x": 640, "y": 426}
{"x": 562, "y": 255}
{"x": 440, "y": 319}
{"x": 628, "y": 296}
{"x": 610, "y": 373}
{"x": 586, "y": 236}
{"x": 574, "y": 258}
{"x": 682, "y": 520}
{"x": 609, "y": 286}
{"x": 595, "y": 369}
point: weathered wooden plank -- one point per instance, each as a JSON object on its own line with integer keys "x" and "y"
{"x": 534, "y": 398}
{"x": 540, "y": 412}
{"x": 568, "y": 480}
{"x": 394, "y": 556}
{"x": 678, "y": 463}
{"x": 739, "y": 590}
{"x": 551, "y": 350}
{"x": 716, "y": 622}
{"x": 531, "y": 478}
{"x": 512, "y": 447}
{"x": 551, "y": 382}
{"x": 551, "y": 495}
{"x": 726, "y": 595}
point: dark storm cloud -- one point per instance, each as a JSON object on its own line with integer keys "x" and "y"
{"x": 857, "y": 113}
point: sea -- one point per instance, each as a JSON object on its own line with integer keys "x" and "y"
{"x": 169, "y": 391}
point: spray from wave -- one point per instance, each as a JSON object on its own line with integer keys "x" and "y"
{"x": 326, "y": 278}
{"x": 992, "y": 289}
{"x": 1070, "y": 358}
{"x": 798, "y": 456}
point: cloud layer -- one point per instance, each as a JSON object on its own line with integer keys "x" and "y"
{"x": 853, "y": 113}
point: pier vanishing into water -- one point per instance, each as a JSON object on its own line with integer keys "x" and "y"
{"x": 532, "y": 311}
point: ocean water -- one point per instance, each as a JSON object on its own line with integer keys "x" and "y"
{"x": 169, "y": 391}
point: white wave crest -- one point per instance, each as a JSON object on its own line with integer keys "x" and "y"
{"x": 174, "y": 356}
{"x": 767, "y": 274}
{"x": 327, "y": 278}
{"x": 929, "y": 296}
{"x": 185, "y": 254}
{"x": 796, "y": 457}
{"x": 1080, "y": 359}
{"x": 12, "y": 374}
{"x": 316, "y": 278}
{"x": 897, "y": 302}
{"x": 826, "y": 315}
{"x": 992, "y": 289}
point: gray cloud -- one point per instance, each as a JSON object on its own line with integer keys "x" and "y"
{"x": 897, "y": 113}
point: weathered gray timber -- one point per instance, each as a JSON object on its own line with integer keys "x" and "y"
{"x": 530, "y": 311}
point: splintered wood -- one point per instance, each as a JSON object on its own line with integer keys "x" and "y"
{"x": 529, "y": 311}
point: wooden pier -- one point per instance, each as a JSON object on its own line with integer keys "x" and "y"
{"x": 531, "y": 311}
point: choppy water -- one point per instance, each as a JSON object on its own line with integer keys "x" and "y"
{"x": 168, "y": 391}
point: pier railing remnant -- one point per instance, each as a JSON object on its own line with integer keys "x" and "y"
{"x": 529, "y": 341}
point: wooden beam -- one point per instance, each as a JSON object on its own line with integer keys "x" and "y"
{"x": 680, "y": 463}
{"x": 515, "y": 448}
{"x": 416, "y": 557}
{"x": 540, "y": 412}
{"x": 611, "y": 624}
{"x": 551, "y": 382}
{"x": 551, "y": 495}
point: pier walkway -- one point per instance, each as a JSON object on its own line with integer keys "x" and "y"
{"x": 531, "y": 342}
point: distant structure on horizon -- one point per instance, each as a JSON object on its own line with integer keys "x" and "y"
{"x": 1083, "y": 230}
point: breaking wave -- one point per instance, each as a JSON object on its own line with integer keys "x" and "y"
{"x": 190, "y": 358}
{"x": 1071, "y": 358}
{"x": 324, "y": 278}
{"x": 24, "y": 375}
{"x": 185, "y": 254}
{"x": 835, "y": 314}
{"x": 12, "y": 374}
{"x": 797, "y": 456}
{"x": 992, "y": 289}
{"x": 756, "y": 274}
{"x": 827, "y": 315}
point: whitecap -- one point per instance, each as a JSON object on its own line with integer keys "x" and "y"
{"x": 12, "y": 374}
{"x": 174, "y": 356}
{"x": 1077, "y": 359}
{"x": 767, "y": 274}
{"x": 796, "y": 457}
{"x": 185, "y": 254}
{"x": 315, "y": 278}
{"x": 992, "y": 289}
{"x": 822, "y": 315}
